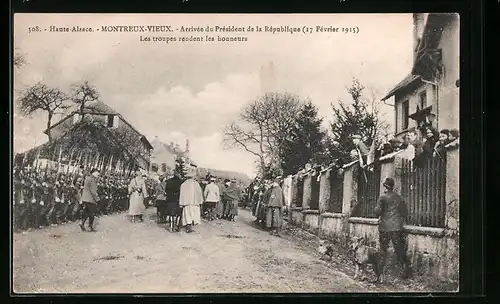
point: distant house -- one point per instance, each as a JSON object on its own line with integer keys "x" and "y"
{"x": 129, "y": 138}
{"x": 429, "y": 95}
{"x": 163, "y": 156}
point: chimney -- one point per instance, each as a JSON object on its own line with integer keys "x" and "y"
{"x": 418, "y": 30}
{"x": 187, "y": 145}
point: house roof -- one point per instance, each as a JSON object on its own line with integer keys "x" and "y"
{"x": 432, "y": 33}
{"x": 100, "y": 108}
{"x": 408, "y": 80}
{"x": 430, "y": 40}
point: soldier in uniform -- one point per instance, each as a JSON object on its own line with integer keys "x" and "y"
{"x": 77, "y": 199}
{"x": 34, "y": 197}
{"x": 58, "y": 206}
{"x": 17, "y": 197}
{"x": 52, "y": 201}
{"x": 101, "y": 193}
{"x": 68, "y": 200}
{"x": 23, "y": 202}
{"x": 121, "y": 197}
{"x": 43, "y": 199}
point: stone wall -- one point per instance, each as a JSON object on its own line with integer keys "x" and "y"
{"x": 311, "y": 220}
{"x": 432, "y": 251}
{"x": 296, "y": 216}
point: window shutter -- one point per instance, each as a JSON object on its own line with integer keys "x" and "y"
{"x": 110, "y": 121}
{"x": 116, "y": 122}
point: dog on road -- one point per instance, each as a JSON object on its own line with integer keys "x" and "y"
{"x": 365, "y": 255}
{"x": 325, "y": 250}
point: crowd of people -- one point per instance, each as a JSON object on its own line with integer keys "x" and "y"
{"x": 47, "y": 197}
{"x": 51, "y": 197}
{"x": 182, "y": 199}
{"x": 432, "y": 144}
{"x": 267, "y": 199}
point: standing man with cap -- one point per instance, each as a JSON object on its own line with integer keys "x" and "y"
{"x": 274, "y": 210}
{"x": 392, "y": 212}
{"x": 212, "y": 197}
{"x": 90, "y": 199}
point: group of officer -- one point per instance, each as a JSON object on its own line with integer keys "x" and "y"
{"x": 47, "y": 197}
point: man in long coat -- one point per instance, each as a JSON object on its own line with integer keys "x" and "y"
{"x": 274, "y": 213}
{"x": 190, "y": 199}
{"x": 172, "y": 209}
{"x": 90, "y": 199}
{"x": 138, "y": 192}
{"x": 232, "y": 195}
{"x": 392, "y": 212}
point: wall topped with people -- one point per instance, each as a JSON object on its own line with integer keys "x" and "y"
{"x": 429, "y": 189}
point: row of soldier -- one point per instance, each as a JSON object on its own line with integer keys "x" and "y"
{"x": 47, "y": 197}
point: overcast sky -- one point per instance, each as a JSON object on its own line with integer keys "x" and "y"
{"x": 193, "y": 89}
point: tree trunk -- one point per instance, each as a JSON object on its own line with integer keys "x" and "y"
{"x": 82, "y": 109}
{"x": 262, "y": 166}
{"x": 49, "y": 124}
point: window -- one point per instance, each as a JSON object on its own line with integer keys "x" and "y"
{"x": 405, "y": 115}
{"x": 111, "y": 120}
{"x": 76, "y": 118}
{"x": 422, "y": 100}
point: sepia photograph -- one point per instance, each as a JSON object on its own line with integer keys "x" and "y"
{"x": 235, "y": 153}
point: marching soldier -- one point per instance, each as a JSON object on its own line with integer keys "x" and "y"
{"x": 40, "y": 192}
{"x": 53, "y": 199}
{"x": 66, "y": 202}
{"x": 17, "y": 198}
{"x": 77, "y": 199}
{"x": 111, "y": 196}
{"x": 21, "y": 200}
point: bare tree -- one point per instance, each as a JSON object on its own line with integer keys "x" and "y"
{"x": 40, "y": 97}
{"x": 250, "y": 139}
{"x": 82, "y": 94}
{"x": 264, "y": 127}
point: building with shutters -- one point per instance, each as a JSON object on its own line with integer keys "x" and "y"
{"x": 429, "y": 95}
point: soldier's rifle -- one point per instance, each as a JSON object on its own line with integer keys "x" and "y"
{"x": 69, "y": 161}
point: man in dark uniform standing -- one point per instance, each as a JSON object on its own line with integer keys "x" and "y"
{"x": 171, "y": 208}
{"x": 392, "y": 212}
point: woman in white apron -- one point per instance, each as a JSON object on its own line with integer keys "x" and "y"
{"x": 137, "y": 190}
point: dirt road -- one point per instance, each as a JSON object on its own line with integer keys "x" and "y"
{"x": 122, "y": 257}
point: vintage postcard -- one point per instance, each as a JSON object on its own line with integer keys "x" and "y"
{"x": 235, "y": 153}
